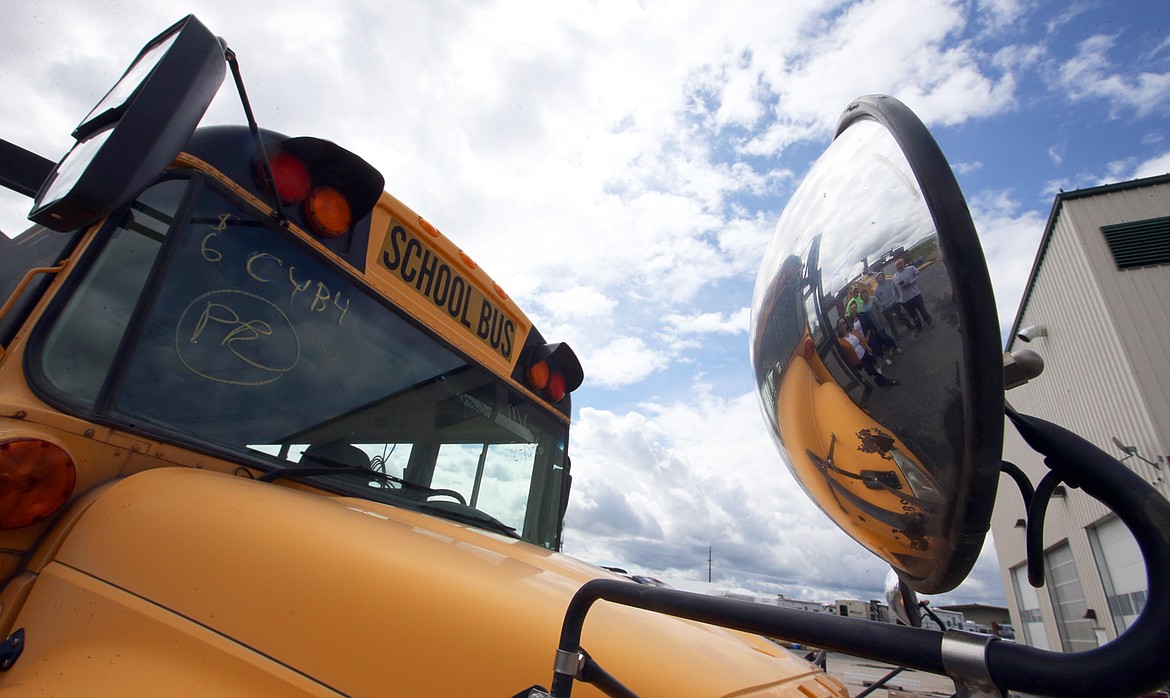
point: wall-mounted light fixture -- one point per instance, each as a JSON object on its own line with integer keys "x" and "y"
{"x": 1131, "y": 452}
{"x": 1032, "y": 332}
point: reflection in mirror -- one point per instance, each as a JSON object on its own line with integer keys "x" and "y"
{"x": 860, "y": 361}
{"x": 902, "y": 600}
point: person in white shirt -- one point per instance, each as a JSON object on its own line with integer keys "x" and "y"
{"x": 905, "y": 279}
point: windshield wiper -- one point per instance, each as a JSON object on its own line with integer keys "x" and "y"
{"x": 463, "y": 513}
{"x": 458, "y": 510}
{"x": 297, "y": 472}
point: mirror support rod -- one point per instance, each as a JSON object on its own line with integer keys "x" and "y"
{"x": 915, "y": 648}
{"x": 1135, "y": 662}
{"x": 1034, "y": 533}
{"x": 1132, "y": 664}
{"x": 278, "y": 212}
{"x": 1021, "y": 480}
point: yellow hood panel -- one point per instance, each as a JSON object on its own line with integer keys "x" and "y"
{"x": 370, "y": 599}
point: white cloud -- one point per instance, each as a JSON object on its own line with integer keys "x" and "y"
{"x": 700, "y": 474}
{"x": 622, "y": 361}
{"x": 1090, "y": 75}
{"x": 618, "y": 167}
{"x": 1010, "y": 236}
{"x": 706, "y": 323}
{"x": 1128, "y": 169}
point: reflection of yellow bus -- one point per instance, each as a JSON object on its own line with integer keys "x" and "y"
{"x": 266, "y": 431}
{"x": 856, "y": 469}
{"x": 860, "y": 473}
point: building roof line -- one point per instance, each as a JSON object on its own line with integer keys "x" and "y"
{"x": 1048, "y": 228}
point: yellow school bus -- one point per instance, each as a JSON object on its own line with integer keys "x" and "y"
{"x": 264, "y": 430}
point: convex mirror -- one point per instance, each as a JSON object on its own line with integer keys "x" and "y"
{"x": 875, "y": 347}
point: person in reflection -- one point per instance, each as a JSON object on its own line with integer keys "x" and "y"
{"x": 905, "y": 279}
{"x": 879, "y": 341}
{"x": 856, "y": 304}
{"x": 858, "y": 354}
{"x": 885, "y": 301}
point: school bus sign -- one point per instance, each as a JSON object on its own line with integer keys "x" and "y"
{"x": 416, "y": 264}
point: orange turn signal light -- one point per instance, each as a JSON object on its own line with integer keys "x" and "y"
{"x": 538, "y": 375}
{"x": 543, "y": 379}
{"x": 328, "y": 211}
{"x": 36, "y": 479}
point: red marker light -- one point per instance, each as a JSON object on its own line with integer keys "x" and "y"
{"x": 556, "y": 388}
{"x": 291, "y": 176}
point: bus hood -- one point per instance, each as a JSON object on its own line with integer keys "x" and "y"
{"x": 273, "y": 587}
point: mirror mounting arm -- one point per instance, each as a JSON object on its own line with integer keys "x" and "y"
{"x": 1134, "y": 662}
{"x": 1034, "y": 533}
{"x": 254, "y": 127}
{"x": 1021, "y": 480}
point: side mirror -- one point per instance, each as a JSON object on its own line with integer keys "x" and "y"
{"x": 906, "y": 456}
{"x": 875, "y": 347}
{"x": 138, "y": 128}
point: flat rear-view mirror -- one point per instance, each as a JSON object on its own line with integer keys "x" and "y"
{"x": 136, "y": 130}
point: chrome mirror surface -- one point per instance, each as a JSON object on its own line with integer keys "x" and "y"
{"x": 875, "y": 348}
{"x": 902, "y": 600}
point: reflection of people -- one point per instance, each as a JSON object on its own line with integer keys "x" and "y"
{"x": 885, "y": 298}
{"x": 906, "y": 281}
{"x": 858, "y": 354}
{"x": 874, "y": 336}
{"x": 856, "y": 304}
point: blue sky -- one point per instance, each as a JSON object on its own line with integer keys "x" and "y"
{"x": 618, "y": 167}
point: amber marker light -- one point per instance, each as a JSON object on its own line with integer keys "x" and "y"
{"x": 36, "y": 479}
{"x": 426, "y": 225}
{"x": 538, "y": 375}
{"x": 328, "y": 212}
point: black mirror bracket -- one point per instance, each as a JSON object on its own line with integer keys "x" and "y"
{"x": 265, "y": 163}
{"x": 1132, "y": 664}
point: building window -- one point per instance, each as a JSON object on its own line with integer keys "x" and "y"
{"x": 1028, "y": 604}
{"x": 1122, "y": 570}
{"x": 1068, "y": 601}
{"x": 1140, "y": 243}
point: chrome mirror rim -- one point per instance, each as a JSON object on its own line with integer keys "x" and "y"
{"x": 983, "y": 355}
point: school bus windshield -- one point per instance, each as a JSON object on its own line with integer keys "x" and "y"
{"x": 202, "y": 322}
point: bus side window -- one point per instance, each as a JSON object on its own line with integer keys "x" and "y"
{"x": 36, "y": 247}
{"x": 81, "y": 346}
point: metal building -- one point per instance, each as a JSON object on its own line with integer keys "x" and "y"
{"x": 1097, "y": 309}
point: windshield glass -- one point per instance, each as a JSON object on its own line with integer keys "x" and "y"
{"x": 209, "y": 326}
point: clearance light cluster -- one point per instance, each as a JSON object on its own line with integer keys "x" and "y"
{"x": 544, "y": 380}
{"x": 327, "y": 210}
{"x": 36, "y": 479}
{"x": 554, "y": 372}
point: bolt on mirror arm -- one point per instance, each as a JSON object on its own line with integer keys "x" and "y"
{"x": 1135, "y": 662}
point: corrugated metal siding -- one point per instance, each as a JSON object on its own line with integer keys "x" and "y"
{"x": 1107, "y": 370}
